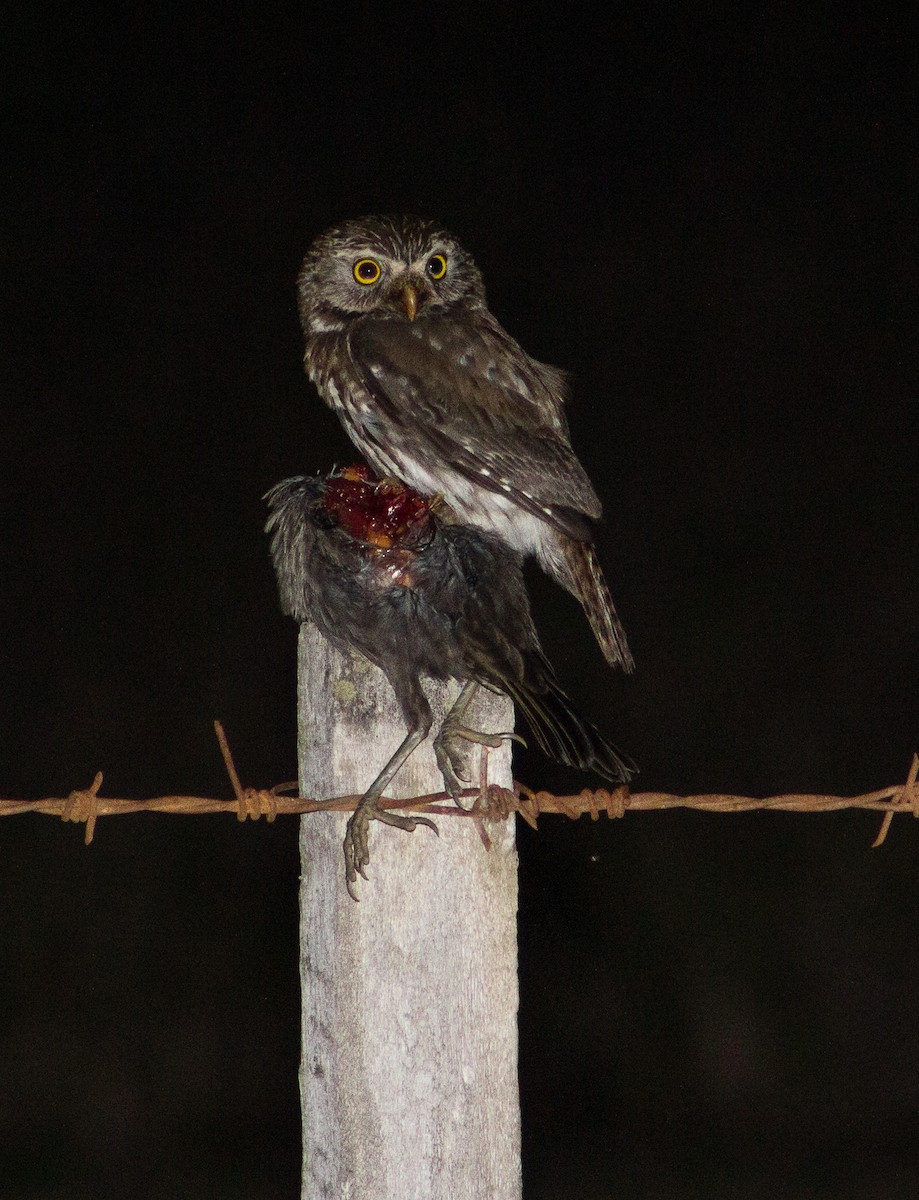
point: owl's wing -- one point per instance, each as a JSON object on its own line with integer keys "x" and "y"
{"x": 462, "y": 392}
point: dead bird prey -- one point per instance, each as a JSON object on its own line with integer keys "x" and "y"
{"x": 373, "y": 566}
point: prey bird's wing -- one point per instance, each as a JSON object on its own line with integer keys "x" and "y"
{"x": 463, "y": 393}
{"x": 292, "y": 503}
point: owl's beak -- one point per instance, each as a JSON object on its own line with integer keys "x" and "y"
{"x": 410, "y": 300}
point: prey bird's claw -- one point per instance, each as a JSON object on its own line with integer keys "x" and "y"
{"x": 478, "y": 737}
{"x": 356, "y": 845}
{"x": 511, "y": 736}
{"x": 452, "y": 764}
{"x": 451, "y": 759}
{"x": 406, "y": 823}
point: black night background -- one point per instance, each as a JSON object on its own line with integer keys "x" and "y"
{"x": 708, "y": 221}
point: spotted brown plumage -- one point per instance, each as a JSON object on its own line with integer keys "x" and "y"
{"x": 432, "y": 390}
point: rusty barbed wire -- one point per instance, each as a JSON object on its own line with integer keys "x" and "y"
{"x": 490, "y": 802}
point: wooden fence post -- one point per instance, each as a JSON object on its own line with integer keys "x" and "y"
{"x": 409, "y": 1065}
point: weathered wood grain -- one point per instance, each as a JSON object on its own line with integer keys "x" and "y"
{"x": 409, "y": 1071}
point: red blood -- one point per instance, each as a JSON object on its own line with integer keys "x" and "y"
{"x": 382, "y": 513}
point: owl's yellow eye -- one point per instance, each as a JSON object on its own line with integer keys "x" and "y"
{"x": 367, "y": 270}
{"x": 437, "y": 266}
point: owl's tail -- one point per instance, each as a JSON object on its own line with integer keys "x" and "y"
{"x": 584, "y": 579}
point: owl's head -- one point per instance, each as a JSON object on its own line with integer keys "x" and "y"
{"x": 396, "y": 267}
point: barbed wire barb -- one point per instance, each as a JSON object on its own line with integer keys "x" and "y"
{"x": 910, "y": 795}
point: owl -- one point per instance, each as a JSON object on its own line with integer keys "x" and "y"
{"x": 433, "y": 391}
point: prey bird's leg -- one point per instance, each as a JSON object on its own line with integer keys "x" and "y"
{"x": 357, "y": 842}
{"x": 449, "y": 754}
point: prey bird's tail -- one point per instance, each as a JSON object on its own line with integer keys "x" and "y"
{"x": 584, "y": 579}
{"x": 559, "y": 729}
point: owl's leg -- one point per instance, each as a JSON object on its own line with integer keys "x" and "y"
{"x": 356, "y": 845}
{"x": 450, "y": 754}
